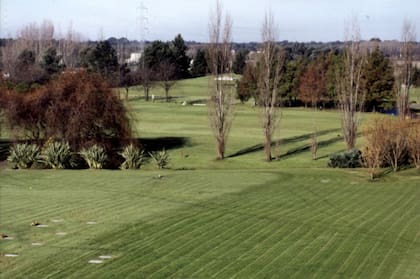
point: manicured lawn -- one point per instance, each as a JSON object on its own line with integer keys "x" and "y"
{"x": 289, "y": 223}
{"x": 201, "y": 218}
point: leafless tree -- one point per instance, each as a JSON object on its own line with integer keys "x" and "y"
{"x": 221, "y": 89}
{"x": 166, "y": 75}
{"x": 405, "y": 73}
{"x": 350, "y": 96}
{"x": 69, "y": 47}
{"x": 270, "y": 63}
{"x": 146, "y": 79}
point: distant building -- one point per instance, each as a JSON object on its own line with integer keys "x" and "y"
{"x": 134, "y": 58}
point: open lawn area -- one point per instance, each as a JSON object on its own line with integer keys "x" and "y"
{"x": 202, "y": 218}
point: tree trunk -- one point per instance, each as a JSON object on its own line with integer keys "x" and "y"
{"x": 126, "y": 94}
{"x": 267, "y": 146}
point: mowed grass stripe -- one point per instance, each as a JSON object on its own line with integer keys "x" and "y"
{"x": 338, "y": 257}
{"x": 226, "y": 237}
{"x": 212, "y": 251}
{"x": 391, "y": 259}
{"x": 146, "y": 251}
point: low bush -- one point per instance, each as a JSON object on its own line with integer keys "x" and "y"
{"x": 95, "y": 156}
{"x": 161, "y": 158}
{"x": 346, "y": 159}
{"x": 56, "y": 155}
{"x": 22, "y": 156}
{"x": 133, "y": 157}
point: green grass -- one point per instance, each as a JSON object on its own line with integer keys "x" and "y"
{"x": 237, "y": 218}
{"x": 312, "y": 223}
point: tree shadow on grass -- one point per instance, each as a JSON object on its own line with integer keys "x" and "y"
{"x": 167, "y": 143}
{"x": 259, "y": 147}
{"x": 307, "y": 147}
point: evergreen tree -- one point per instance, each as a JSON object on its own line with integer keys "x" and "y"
{"x": 101, "y": 59}
{"x": 51, "y": 62}
{"x": 181, "y": 60}
{"x": 378, "y": 81}
{"x": 240, "y": 61}
{"x": 199, "y": 66}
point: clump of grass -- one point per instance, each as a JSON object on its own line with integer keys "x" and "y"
{"x": 133, "y": 157}
{"x": 95, "y": 156}
{"x": 161, "y": 158}
{"x": 22, "y": 156}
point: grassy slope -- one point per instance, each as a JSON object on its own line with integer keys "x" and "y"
{"x": 238, "y": 218}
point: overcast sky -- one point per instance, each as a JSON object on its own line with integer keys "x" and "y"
{"x": 298, "y": 20}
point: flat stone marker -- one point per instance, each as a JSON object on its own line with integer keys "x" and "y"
{"x": 57, "y": 220}
{"x": 37, "y": 244}
{"x": 91, "y": 223}
{"x": 325, "y": 181}
{"x": 95, "y": 261}
{"x": 8, "y": 238}
{"x": 11, "y": 255}
{"x": 105, "y": 257}
{"x": 61, "y": 233}
{"x": 42, "y": 226}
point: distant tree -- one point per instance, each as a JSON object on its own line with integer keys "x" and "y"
{"x": 334, "y": 63}
{"x": 26, "y": 70}
{"x": 405, "y": 74}
{"x": 102, "y": 59}
{"x": 378, "y": 81}
{"x": 166, "y": 75}
{"x": 181, "y": 60}
{"x": 247, "y": 85}
{"x": 221, "y": 90}
{"x": 289, "y": 83}
{"x": 126, "y": 78}
{"x": 240, "y": 61}
{"x": 156, "y": 53}
{"x": 312, "y": 84}
{"x": 199, "y": 66}
{"x": 146, "y": 79}
{"x": 269, "y": 75}
{"x": 416, "y": 77}
{"x": 51, "y": 62}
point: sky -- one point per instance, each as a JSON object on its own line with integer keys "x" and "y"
{"x": 297, "y": 20}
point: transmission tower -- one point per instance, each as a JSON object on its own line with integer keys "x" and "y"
{"x": 143, "y": 25}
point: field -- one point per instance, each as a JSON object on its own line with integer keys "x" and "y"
{"x": 202, "y": 218}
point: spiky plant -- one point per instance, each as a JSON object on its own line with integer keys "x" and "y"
{"x": 133, "y": 157}
{"x": 56, "y": 154}
{"x": 161, "y": 158}
{"x": 23, "y": 155}
{"x": 95, "y": 156}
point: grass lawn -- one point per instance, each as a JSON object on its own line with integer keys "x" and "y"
{"x": 242, "y": 217}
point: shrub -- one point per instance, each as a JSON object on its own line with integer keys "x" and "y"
{"x": 373, "y": 151}
{"x": 347, "y": 159}
{"x": 414, "y": 143}
{"x": 94, "y": 156}
{"x": 161, "y": 158}
{"x": 133, "y": 157}
{"x": 78, "y": 107}
{"x": 22, "y": 156}
{"x": 56, "y": 154}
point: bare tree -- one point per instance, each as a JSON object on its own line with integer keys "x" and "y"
{"x": 146, "y": 79}
{"x": 70, "y": 46}
{"x": 404, "y": 75}
{"x": 350, "y": 96}
{"x": 166, "y": 75}
{"x": 270, "y": 63}
{"x": 221, "y": 89}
